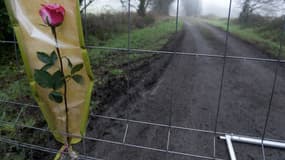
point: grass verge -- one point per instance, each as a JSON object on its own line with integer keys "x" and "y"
{"x": 261, "y": 36}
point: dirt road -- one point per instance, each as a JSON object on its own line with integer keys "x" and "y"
{"x": 186, "y": 95}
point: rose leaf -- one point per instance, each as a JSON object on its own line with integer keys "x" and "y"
{"x": 43, "y": 57}
{"x": 46, "y": 67}
{"x": 53, "y": 57}
{"x": 78, "y": 78}
{"x": 70, "y": 65}
{"x": 43, "y": 78}
{"x": 56, "y": 97}
{"x": 58, "y": 80}
{"x": 76, "y": 68}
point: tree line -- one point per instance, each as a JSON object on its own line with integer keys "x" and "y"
{"x": 251, "y": 7}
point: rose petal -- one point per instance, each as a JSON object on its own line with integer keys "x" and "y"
{"x": 52, "y": 14}
{"x": 45, "y": 15}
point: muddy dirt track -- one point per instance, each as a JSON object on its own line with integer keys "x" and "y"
{"x": 183, "y": 91}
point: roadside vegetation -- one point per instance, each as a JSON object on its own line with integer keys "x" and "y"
{"x": 259, "y": 23}
{"x": 265, "y": 36}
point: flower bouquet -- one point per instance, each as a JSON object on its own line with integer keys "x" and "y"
{"x": 50, "y": 38}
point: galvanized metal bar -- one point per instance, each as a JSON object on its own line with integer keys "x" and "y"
{"x": 230, "y": 147}
{"x": 8, "y": 42}
{"x": 255, "y": 141}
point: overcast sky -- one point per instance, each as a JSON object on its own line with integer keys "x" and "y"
{"x": 217, "y": 7}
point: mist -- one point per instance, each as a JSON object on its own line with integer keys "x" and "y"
{"x": 217, "y": 8}
{"x": 208, "y": 7}
{"x": 103, "y": 6}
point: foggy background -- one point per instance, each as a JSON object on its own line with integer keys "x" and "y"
{"x": 208, "y": 7}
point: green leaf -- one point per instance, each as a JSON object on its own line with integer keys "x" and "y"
{"x": 77, "y": 68}
{"x": 78, "y": 78}
{"x": 43, "y": 57}
{"x": 69, "y": 63}
{"x": 48, "y": 60}
{"x": 46, "y": 67}
{"x": 58, "y": 80}
{"x": 43, "y": 78}
{"x": 53, "y": 57}
{"x": 56, "y": 97}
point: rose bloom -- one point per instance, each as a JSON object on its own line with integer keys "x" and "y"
{"x": 52, "y": 14}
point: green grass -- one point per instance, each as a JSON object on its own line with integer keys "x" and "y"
{"x": 14, "y": 83}
{"x": 150, "y": 38}
{"x": 262, "y": 36}
{"x": 153, "y": 37}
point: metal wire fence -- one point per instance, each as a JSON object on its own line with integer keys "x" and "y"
{"x": 127, "y": 121}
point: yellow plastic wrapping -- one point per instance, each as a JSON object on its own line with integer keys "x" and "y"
{"x": 34, "y": 36}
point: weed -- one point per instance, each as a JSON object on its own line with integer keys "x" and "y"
{"x": 116, "y": 72}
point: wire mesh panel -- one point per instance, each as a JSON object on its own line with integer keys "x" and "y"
{"x": 160, "y": 98}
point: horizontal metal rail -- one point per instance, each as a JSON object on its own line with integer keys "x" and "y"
{"x": 9, "y": 42}
{"x": 39, "y": 148}
{"x": 18, "y": 104}
{"x": 187, "y": 54}
{"x": 254, "y": 141}
{"x": 177, "y": 53}
{"x": 32, "y": 146}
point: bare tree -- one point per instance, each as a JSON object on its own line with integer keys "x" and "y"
{"x": 85, "y": 3}
{"x": 247, "y": 9}
{"x": 262, "y": 7}
{"x": 141, "y": 6}
{"x": 251, "y": 6}
{"x": 192, "y": 7}
{"x": 161, "y": 6}
{"x": 124, "y": 3}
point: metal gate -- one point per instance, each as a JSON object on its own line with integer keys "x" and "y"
{"x": 168, "y": 129}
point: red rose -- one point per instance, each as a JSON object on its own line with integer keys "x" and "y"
{"x": 52, "y": 14}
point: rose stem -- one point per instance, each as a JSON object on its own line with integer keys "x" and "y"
{"x": 65, "y": 86}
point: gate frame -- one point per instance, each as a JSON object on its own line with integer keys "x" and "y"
{"x": 230, "y": 138}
